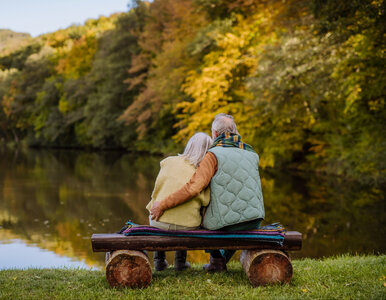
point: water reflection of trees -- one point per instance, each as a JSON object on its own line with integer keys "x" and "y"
{"x": 335, "y": 216}
{"x": 57, "y": 199}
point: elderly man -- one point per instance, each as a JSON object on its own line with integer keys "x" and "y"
{"x": 231, "y": 169}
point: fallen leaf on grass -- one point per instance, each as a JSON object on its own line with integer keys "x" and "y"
{"x": 349, "y": 283}
{"x": 304, "y": 290}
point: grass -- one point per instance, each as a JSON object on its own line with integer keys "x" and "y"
{"x": 344, "y": 277}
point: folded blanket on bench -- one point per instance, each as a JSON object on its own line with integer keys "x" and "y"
{"x": 271, "y": 233}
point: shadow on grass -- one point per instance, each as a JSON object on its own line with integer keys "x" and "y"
{"x": 196, "y": 274}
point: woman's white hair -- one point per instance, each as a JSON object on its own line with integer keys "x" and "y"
{"x": 196, "y": 148}
{"x": 224, "y": 123}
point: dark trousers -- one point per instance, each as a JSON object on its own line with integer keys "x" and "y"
{"x": 254, "y": 224}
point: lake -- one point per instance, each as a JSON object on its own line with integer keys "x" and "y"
{"x": 52, "y": 201}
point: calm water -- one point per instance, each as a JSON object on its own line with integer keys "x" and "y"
{"x": 52, "y": 201}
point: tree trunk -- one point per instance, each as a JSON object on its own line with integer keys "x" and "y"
{"x": 15, "y": 136}
{"x": 266, "y": 266}
{"x": 127, "y": 268}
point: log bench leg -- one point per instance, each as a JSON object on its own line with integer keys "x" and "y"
{"x": 266, "y": 266}
{"x": 128, "y": 268}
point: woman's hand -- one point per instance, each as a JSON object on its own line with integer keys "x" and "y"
{"x": 156, "y": 211}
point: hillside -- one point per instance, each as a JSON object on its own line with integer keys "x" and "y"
{"x": 10, "y": 40}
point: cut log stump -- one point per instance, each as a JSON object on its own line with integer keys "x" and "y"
{"x": 266, "y": 266}
{"x": 128, "y": 268}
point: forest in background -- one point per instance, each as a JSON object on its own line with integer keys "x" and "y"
{"x": 305, "y": 81}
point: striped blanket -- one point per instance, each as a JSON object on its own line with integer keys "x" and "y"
{"x": 271, "y": 233}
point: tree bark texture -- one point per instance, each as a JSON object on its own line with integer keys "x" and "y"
{"x": 128, "y": 268}
{"x": 266, "y": 266}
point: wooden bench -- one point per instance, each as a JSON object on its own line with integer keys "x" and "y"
{"x": 128, "y": 265}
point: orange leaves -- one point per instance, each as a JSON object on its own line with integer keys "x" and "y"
{"x": 160, "y": 68}
{"x": 8, "y": 98}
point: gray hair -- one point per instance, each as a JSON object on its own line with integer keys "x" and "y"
{"x": 196, "y": 148}
{"x": 224, "y": 123}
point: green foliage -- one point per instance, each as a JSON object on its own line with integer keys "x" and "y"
{"x": 109, "y": 96}
{"x": 349, "y": 18}
{"x": 159, "y": 70}
{"x": 304, "y": 81}
{"x": 221, "y": 9}
{"x": 17, "y": 59}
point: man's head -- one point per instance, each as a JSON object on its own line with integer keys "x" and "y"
{"x": 223, "y": 123}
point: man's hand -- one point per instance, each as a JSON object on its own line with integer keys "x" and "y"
{"x": 156, "y": 211}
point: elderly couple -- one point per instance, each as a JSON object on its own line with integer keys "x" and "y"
{"x": 222, "y": 175}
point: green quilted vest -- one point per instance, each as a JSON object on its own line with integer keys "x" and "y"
{"x": 235, "y": 189}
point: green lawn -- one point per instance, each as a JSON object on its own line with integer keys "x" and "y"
{"x": 344, "y": 277}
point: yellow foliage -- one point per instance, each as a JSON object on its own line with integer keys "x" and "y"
{"x": 219, "y": 87}
{"x": 354, "y": 95}
{"x": 64, "y": 106}
{"x": 77, "y": 62}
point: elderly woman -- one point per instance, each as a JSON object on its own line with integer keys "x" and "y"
{"x": 174, "y": 173}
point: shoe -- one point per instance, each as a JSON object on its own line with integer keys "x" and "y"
{"x": 217, "y": 265}
{"x": 180, "y": 263}
{"x": 160, "y": 262}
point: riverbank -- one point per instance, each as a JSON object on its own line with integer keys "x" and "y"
{"x": 343, "y": 277}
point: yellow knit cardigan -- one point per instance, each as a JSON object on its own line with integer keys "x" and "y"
{"x": 174, "y": 173}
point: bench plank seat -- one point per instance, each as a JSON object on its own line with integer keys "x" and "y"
{"x": 109, "y": 242}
